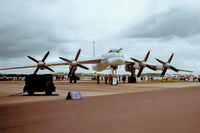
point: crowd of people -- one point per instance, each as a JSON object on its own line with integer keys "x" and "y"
{"x": 109, "y": 78}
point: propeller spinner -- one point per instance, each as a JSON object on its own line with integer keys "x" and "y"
{"x": 41, "y": 63}
{"x": 74, "y": 63}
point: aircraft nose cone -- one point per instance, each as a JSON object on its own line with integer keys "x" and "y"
{"x": 116, "y": 61}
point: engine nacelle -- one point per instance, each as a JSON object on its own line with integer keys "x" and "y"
{"x": 42, "y": 68}
{"x": 159, "y": 68}
{"x": 74, "y": 67}
{"x": 129, "y": 67}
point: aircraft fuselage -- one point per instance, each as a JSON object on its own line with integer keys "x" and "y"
{"x": 113, "y": 58}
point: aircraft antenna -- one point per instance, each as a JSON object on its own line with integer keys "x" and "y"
{"x": 93, "y": 49}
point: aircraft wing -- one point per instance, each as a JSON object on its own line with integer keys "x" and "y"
{"x": 18, "y": 67}
{"x": 152, "y": 67}
{"x": 129, "y": 62}
{"x": 96, "y": 61}
{"x": 58, "y": 64}
{"x": 184, "y": 70}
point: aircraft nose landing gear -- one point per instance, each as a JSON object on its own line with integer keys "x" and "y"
{"x": 114, "y": 79}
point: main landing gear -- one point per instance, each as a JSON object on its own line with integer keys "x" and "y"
{"x": 73, "y": 77}
{"x": 132, "y": 78}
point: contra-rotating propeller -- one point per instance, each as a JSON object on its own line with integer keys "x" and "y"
{"x": 143, "y": 64}
{"x": 41, "y": 63}
{"x": 74, "y": 63}
{"x": 166, "y": 65}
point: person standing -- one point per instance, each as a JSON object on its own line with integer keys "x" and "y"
{"x": 124, "y": 78}
{"x": 97, "y": 78}
{"x": 106, "y": 79}
{"x": 109, "y": 79}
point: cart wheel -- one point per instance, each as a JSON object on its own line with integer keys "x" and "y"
{"x": 30, "y": 93}
{"x": 48, "y": 92}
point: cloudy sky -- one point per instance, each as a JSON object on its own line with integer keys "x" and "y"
{"x": 32, "y": 27}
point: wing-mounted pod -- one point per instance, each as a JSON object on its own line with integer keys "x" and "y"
{"x": 130, "y": 67}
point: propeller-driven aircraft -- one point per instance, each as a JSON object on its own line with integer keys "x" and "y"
{"x": 110, "y": 60}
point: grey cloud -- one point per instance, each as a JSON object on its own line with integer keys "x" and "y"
{"x": 181, "y": 22}
{"x": 25, "y": 32}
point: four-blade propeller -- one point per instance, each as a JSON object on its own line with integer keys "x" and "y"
{"x": 142, "y": 64}
{"x": 74, "y": 64}
{"x": 166, "y": 65}
{"x": 41, "y": 63}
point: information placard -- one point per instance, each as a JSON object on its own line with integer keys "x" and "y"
{"x": 74, "y": 95}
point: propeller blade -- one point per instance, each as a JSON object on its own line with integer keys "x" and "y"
{"x": 163, "y": 72}
{"x": 46, "y": 55}
{"x": 160, "y": 61}
{"x": 77, "y": 55}
{"x": 136, "y": 60}
{"x": 147, "y": 56}
{"x": 33, "y": 59}
{"x": 170, "y": 58}
{"x": 36, "y": 70}
{"x": 140, "y": 72}
{"x": 173, "y": 68}
{"x": 82, "y": 66}
{"x": 49, "y": 68}
{"x": 65, "y": 59}
{"x": 151, "y": 67}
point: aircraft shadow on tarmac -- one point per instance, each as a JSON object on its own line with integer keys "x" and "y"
{"x": 20, "y": 94}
